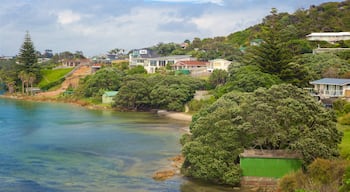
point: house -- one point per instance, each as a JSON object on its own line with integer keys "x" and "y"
{"x": 256, "y": 42}
{"x": 218, "y": 64}
{"x": 141, "y": 56}
{"x": 269, "y": 163}
{"x": 190, "y": 65}
{"x": 95, "y": 67}
{"x": 332, "y": 87}
{"x": 330, "y": 37}
{"x": 74, "y": 62}
{"x": 152, "y": 61}
{"x": 108, "y": 96}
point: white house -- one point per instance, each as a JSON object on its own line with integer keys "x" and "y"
{"x": 218, "y": 64}
{"x": 332, "y": 87}
{"x": 190, "y": 65}
{"x": 151, "y": 61}
{"x": 329, "y": 36}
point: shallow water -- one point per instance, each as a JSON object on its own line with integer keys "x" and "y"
{"x": 60, "y": 147}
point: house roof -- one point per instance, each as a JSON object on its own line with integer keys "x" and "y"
{"x": 331, "y": 81}
{"x": 110, "y": 93}
{"x": 144, "y": 53}
{"x": 170, "y": 57}
{"x": 329, "y": 34}
{"x": 191, "y": 63}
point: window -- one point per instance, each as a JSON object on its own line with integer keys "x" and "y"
{"x": 153, "y": 63}
{"x": 171, "y": 62}
{"x": 161, "y": 63}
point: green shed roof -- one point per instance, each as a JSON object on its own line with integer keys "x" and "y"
{"x": 110, "y": 93}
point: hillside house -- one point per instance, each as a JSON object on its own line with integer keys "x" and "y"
{"x": 74, "y": 62}
{"x": 190, "y": 65}
{"x": 218, "y": 64}
{"x": 331, "y": 87}
{"x": 330, "y": 37}
{"x": 152, "y": 61}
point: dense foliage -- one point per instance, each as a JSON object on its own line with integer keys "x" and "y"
{"x": 322, "y": 175}
{"x": 282, "y": 117}
{"x": 106, "y": 79}
{"x": 141, "y": 92}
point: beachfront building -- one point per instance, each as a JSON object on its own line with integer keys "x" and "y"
{"x": 108, "y": 97}
{"x": 269, "y": 163}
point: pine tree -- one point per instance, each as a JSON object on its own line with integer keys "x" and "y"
{"x": 271, "y": 55}
{"x": 27, "y": 57}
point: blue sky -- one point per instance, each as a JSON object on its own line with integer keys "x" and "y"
{"x": 97, "y": 26}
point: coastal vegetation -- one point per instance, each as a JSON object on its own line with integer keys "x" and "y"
{"x": 282, "y": 117}
{"x": 258, "y": 103}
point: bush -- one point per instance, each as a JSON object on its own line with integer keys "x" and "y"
{"x": 322, "y": 176}
{"x": 346, "y": 181}
{"x": 345, "y": 119}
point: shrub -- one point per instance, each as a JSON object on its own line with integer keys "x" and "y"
{"x": 345, "y": 119}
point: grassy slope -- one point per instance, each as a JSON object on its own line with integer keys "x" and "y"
{"x": 345, "y": 144}
{"x": 50, "y": 76}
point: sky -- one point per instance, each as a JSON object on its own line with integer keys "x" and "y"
{"x": 97, "y": 26}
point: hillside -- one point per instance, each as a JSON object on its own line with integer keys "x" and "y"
{"x": 326, "y": 17}
{"x": 71, "y": 81}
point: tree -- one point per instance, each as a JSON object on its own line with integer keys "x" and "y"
{"x": 249, "y": 78}
{"x": 134, "y": 94}
{"x": 106, "y": 79}
{"x": 271, "y": 55}
{"x": 31, "y": 80}
{"x": 23, "y": 77}
{"x": 171, "y": 97}
{"x": 27, "y": 56}
{"x": 136, "y": 70}
{"x": 218, "y": 77}
{"x": 282, "y": 117}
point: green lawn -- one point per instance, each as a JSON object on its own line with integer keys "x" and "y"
{"x": 345, "y": 144}
{"x": 50, "y": 76}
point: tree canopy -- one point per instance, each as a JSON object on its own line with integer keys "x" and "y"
{"x": 106, "y": 79}
{"x": 281, "y": 117}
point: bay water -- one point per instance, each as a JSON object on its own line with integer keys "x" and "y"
{"x": 59, "y": 147}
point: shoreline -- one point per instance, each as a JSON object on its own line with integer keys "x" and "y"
{"x": 175, "y": 162}
{"x": 182, "y": 116}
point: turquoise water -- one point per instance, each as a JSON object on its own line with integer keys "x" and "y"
{"x": 60, "y": 147}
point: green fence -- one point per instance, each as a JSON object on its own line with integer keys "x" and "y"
{"x": 268, "y": 167}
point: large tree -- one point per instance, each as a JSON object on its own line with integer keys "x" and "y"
{"x": 282, "y": 117}
{"x": 27, "y": 56}
{"x": 106, "y": 79}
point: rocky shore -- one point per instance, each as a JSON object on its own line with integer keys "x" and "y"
{"x": 173, "y": 170}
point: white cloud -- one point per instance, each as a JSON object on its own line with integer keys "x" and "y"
{"x": 221, "y": 23}
{"x": 67, "y": 17}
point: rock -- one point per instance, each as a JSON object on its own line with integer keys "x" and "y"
{"x": 163, "y": 175}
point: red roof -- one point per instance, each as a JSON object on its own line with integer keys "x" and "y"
{"x": 191, "y": 63}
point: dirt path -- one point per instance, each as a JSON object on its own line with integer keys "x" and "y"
{"x": 72, "y": 80}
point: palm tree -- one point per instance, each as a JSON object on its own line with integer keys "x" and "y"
{"x": 31, "y": 79}
{"x": 23, "y": 76}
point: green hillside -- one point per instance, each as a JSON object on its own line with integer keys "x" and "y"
{"x": 51, "y": 77}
